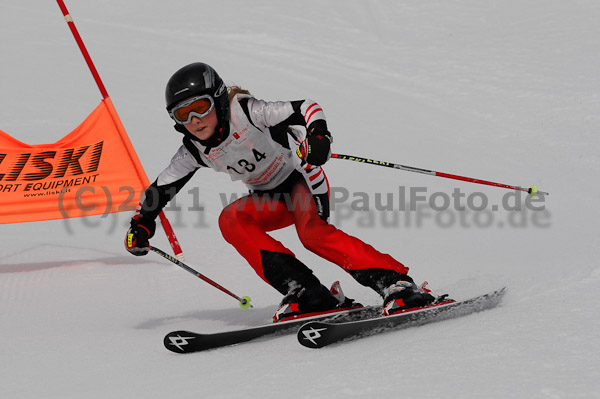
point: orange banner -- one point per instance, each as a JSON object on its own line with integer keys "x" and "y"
{"x": 93, "y": 170}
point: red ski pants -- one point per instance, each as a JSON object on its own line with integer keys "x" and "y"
{"x": 245, "y": 223}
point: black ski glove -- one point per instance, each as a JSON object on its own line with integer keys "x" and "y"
{"x": 136, "y": 240}
{"x": 316, "y": 148}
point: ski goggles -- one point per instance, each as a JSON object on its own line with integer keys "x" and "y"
{"x": 199, "y": 106}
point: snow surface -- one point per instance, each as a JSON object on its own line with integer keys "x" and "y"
{"x": 504, "y": 91}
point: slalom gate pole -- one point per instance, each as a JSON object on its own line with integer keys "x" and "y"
{"x": 163, "y": 219}
{"x": 84, "y": 51}
{"x": 533, "y": 190}
{"x": 244, "y": 301}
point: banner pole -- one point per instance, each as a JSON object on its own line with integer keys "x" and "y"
{"x": 84, "y": 51}
{"x": 164, "y": 221}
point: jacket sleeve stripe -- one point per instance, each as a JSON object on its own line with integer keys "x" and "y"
{"x": 311, "y": 112}
{"x": 313, "y": 177}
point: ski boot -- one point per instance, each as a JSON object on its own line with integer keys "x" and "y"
{"x": 405, "y": 295}
{"x": 311, "y": 301}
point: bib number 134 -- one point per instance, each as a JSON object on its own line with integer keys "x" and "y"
{"x": 247, "y": 165}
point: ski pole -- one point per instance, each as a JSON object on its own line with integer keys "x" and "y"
{"x": 244, "y": 301}
{"x": 533, "y": 190}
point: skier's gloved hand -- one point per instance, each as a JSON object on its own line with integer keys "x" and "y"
{"x": 136, "y": 240}
{"x": 316, "y": 148}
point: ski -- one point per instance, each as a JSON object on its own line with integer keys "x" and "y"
{"x": 187, "y": 341}
{"x": 317, "y": 334}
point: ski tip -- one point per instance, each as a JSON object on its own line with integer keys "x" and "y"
{"x": 178, "y": 341}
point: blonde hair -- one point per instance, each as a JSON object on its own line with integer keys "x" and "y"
{"x": 233, "y": 90}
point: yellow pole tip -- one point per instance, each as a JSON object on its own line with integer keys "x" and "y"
{"x": 533, "y": 190}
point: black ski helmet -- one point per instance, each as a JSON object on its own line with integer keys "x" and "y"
{"x": 197, "y": 79}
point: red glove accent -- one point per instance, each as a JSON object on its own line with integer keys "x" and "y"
{"x": 136, "y": 240}
{"x": 315, "y": 149}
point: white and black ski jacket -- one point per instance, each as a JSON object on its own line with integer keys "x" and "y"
{"x": 259, "y": 151}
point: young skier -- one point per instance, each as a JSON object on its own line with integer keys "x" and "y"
{"x": 276, "y": 149}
